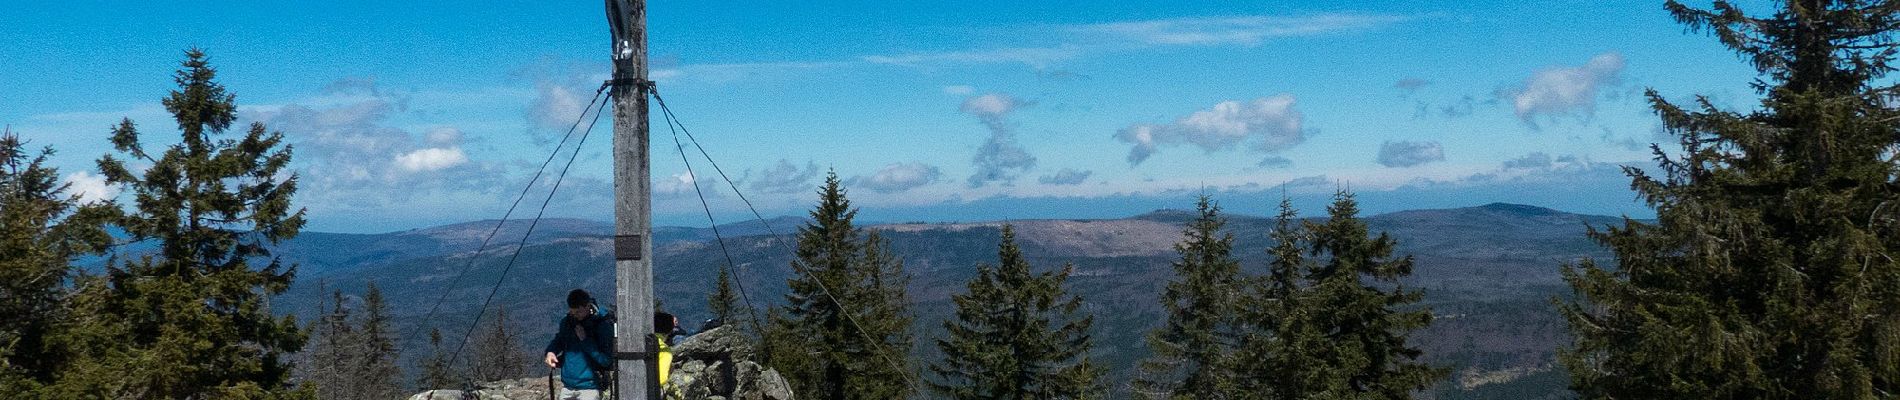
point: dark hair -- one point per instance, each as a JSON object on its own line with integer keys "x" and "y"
{"x": 578, "y": 298}
{"x": 664, "y": 322}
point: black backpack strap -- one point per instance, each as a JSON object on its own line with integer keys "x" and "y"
{"x": 592, "y": 326}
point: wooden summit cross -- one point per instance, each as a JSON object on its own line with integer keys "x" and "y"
{"x": 633, "y": 213}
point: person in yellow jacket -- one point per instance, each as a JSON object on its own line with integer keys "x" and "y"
{"x": 665, "y": 327}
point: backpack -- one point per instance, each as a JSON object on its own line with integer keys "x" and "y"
{"x": 603, "y": 341}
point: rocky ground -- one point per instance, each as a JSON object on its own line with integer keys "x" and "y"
{"x": 717, "y": 364}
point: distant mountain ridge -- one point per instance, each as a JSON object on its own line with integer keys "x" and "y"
{"x": 1489, "y": 271}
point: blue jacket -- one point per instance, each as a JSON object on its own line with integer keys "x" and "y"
{"x": 584, "y": 362}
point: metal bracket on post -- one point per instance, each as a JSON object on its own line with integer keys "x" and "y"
{"x": 636, "y": 355}
{"x": 636, "y": 83}
{"x": 652, "y": 355}
{"x": 652, "y": 358}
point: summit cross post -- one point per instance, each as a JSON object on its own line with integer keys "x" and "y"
{"x": 634, "y": 349}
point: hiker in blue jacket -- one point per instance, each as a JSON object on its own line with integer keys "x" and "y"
{"x": 582, "y": 348}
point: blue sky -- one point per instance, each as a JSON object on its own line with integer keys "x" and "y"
{"x": 411, "y": 114}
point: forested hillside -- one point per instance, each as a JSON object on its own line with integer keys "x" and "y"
{"x": 1489, "y": 272}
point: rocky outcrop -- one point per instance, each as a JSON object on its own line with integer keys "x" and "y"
{"x": 718, "y": 364}
{"x": 512, "y": 389}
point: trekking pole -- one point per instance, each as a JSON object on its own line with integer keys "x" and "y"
{"x": 551, "y": 383}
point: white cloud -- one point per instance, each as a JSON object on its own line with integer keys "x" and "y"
{"x": 1079, "y": 40}
{"x": 562, "y": 91}
{"x": 1044, "y": 46}
{"x": 677, "y": 185}
{"x": 1037, "y": 57}
{"x": 785, "y": 177}
{"x": 555, "y": 106}
{"x": 431, "y": 159}
{"x": 1000, "y": 159}
{"x": 1274, "y": 162}
{"x": 993, "y": 105}
{"x": 899, "y": 177}
{"x": 445, "y": 136}
{"x": 725, "y": 72}
{"x": 1066, "y": 176}
{"x": 352, "y": 156}
{"x": 1271, "y": 123}
{"x": 1538, "y": 160}
{"x": 89, "y": 188}
{"x": 1411, "y": 84}
{"x": 1305, "y": 182}
{"x": 1240, "y": 30}
{"x": 1562, "y": 91}
{"x": 1407, "y": 154}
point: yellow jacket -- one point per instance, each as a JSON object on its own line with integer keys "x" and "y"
{"x": 665, "y": 359}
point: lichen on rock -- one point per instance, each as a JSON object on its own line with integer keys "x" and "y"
{"x": 718, "y": 364}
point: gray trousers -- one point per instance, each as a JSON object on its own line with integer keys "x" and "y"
{"x": 583, "y": 394}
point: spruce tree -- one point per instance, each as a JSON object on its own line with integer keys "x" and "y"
{"x": 1332, "y": 323}
{"x": 436, "y": 371}
{"x": 189, "y": 320}
{"x": 42, "y": 231}
{"x": 723, "y": 302}
{"x": 1770, "y": 269}
{"x": 1357, "y": 302}
{"x": 886, "y": 305}
{"x": 779, "y": 343}
{"x": 1017, "y": 335}
{"x": 844, "y": 332}
{"x": 376, "y": 373}
{"x": 1191, "y": 347}
{"x": 1276, "y": 344}
{"x": 336, "y": 351}
{"x": 353, "y": 353}
{"x": 498, "y": 353}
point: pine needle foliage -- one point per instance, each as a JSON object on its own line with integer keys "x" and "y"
{"x": 1191, "y": 349}
{"x": 335, "y": 350}
{"x": 436, "y": 372}
{"x": 497, "y": 352}
{"x": 1330, "y": 319}
{"x": 1017, "y": 335}
{"x": 844, "y": 332}
{"x": 1769, "y": 272}
{"x": 1276, "y": 339}
{"x": 724, "y": 302}
{"x": 378, "y": 373}
{"x": 42, "y": 231}
{"x": 353, "y": 352}
{"x": 190, "y": 320}
{"x": 1361, "y": 313}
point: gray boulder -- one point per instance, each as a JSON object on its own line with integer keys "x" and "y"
{"x": 512, "y": 389}
{"x": 718, "y": 364}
